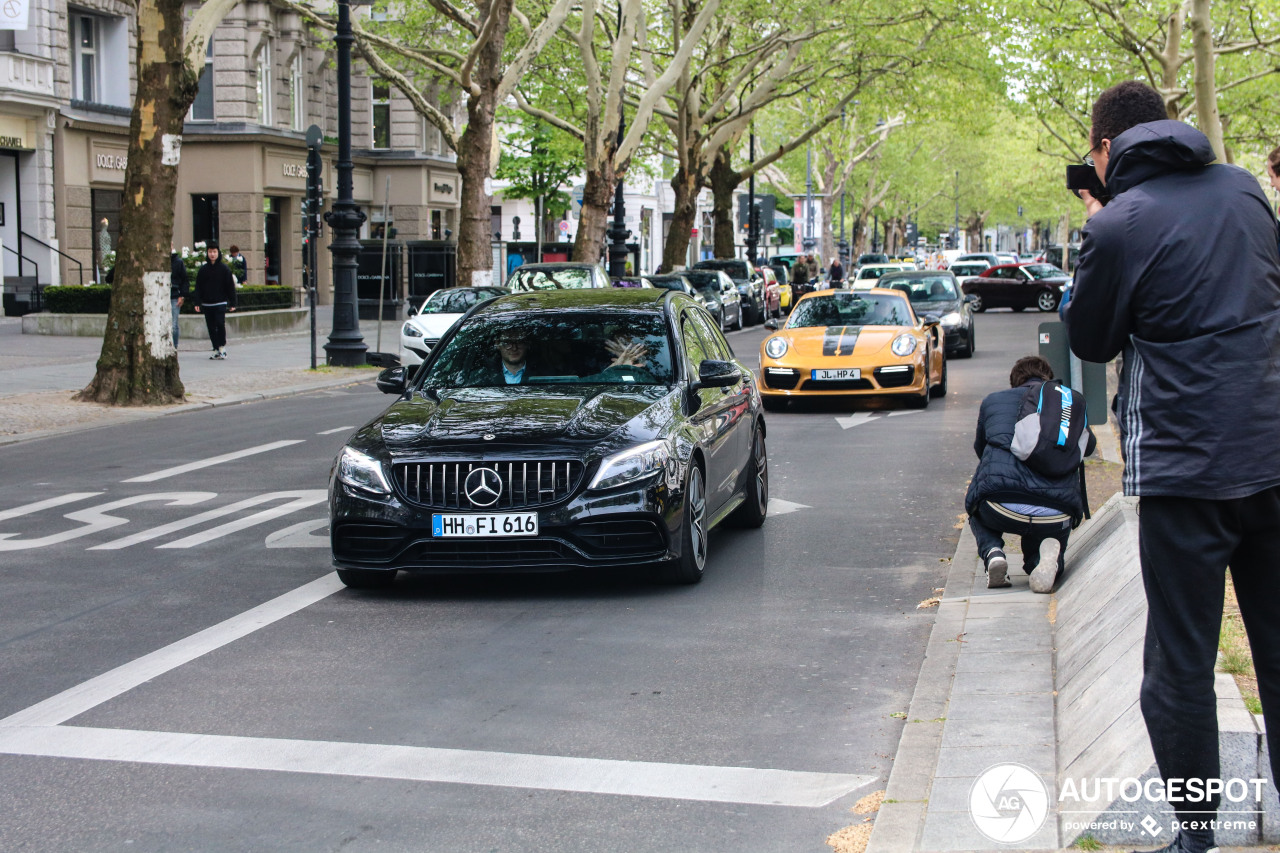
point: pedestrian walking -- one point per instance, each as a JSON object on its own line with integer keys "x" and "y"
{"x": 1006, "y": 495}
{"x": 179, "y": 287}
{"x": 239, "y": 267}
{"x": 837, "y": 273}
{"x": 215, "y": 296}
{"x": 801, "y": 270}
{"x": 1179, "y": 271}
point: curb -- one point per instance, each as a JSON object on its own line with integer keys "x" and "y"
{"x": 898, "y": 824}
{"x": 131, "y": 414}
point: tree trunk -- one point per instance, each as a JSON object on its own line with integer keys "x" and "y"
{"x": 475, "y": 154}
{"x": 1204, "y": 84}
{"x": 675, "y": 252}
{"x": 138, "y": 364}
{"x": 597, "y": 209}
{"x": 723, "y": 183}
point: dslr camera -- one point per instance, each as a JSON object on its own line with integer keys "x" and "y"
{"x": 1083, "y": 177}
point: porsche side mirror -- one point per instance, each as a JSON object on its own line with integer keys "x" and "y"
{"x": 931, "y": 320}
{"x": 771, "y": 324}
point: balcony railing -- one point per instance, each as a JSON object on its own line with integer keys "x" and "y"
{"x": 23, "y": 74}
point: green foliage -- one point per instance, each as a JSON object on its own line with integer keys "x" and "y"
{"x": 538, "y": 160}
{"x": 1087, "y": 842}
{"x": 96, "y": 299}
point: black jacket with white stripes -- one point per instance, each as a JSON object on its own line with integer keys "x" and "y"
{"x": 1180, "y": 271}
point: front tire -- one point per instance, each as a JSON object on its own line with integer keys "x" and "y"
{"x": 755, "y": 506}
{"x": 1046, "y": 301}
{"x": 921, "y": 401}
{"x": 366, "y": 578}
{"x": 977, "y": 304}
{"x": 687, "y": 568}
{"x": 971, "y": 343}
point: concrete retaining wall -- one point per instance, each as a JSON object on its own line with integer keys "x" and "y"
{"x": 191, "y": 327}
{"x": 1099, "y": 630}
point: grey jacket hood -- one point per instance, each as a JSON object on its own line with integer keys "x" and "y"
{"x": 1154, "y": 148}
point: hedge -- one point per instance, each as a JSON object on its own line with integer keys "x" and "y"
{"x": 96, "y": 299}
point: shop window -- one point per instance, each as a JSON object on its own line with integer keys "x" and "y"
{"x": 495, "y": 221}
{"x": 381, "y": 117}
{"x": 265, "y": 60}
{"x": 202, "y": 107}
{"x": 204, "y": 218}
{"x": 105, "y": 207}
{"x": 297, "y": 95}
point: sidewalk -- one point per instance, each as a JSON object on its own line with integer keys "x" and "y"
{"x": 39, "y": 374}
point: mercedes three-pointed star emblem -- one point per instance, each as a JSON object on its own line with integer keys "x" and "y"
{"x": 483, "y": 487}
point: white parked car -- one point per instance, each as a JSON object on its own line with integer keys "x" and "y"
{"x": 965, "y": 270}
{"x": 868, "y": 276}
{"x": 557, "y": 275}
{"x": 438, "y": 312}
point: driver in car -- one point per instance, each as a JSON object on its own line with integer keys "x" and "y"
{"x": 626, "y": 352}
{"x": 513, "y": 351}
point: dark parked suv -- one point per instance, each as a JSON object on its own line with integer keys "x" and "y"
{"x": 750, "y": 285}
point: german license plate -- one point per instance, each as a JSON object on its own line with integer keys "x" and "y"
{"x": 469, "y": 526}
{"x": 835, "y": 374}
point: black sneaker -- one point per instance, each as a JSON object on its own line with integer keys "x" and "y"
{"x": 997, "y": 568}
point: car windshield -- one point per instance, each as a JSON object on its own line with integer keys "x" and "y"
{"x": 1043, "y": 271}
{"x": 930, "y": 288}
{"x": 736, "y": 269}
{"x": 565, "y": 348}
{"x": 875, "y": 272}
{"x": 851, "y": 309}
{"x": 667, "y": 282}
{"x": 968, "y": 269}
{"x": 525, "y": 280}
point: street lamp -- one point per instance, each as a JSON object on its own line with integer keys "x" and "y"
{"x": 618, "y": 232}
{"x": 346, "y": 347}
{"x": 753, "y": 221}
{"x": 843, "y": 251}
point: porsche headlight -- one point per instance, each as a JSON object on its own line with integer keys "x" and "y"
{"x": 904, "y": 345}
{"x": 362, "y": 473}
{"x": 775, "y": 347}
{"x": 634, "y": 464}
{"x": 951, "y": 319}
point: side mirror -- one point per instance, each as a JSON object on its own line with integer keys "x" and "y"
{"x": 771, "y": 324}
{"x": 717, "y": 374}
{"x": 393, "y": 380}
{"x": 969, "y": 297}
{"x": 931, "y": 320}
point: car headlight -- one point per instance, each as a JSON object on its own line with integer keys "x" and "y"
{"x": 362, "y": 472}
{"x": 410, "y": 331}
{"x": 951, "y": 319}
{"x": 634, "y": 464}
{"x": 775, "y": 347}
{"x": 904, "y": 345}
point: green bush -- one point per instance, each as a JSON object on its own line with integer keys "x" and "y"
{"x": 96, "y": 299}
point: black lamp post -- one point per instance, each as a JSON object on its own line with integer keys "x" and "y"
{"x": 618, "y": 232}
{"x": 346, "y": 347}
{"x": 753, "y": 219}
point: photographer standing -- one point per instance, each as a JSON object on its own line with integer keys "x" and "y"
{"x": 1179, "y": 271}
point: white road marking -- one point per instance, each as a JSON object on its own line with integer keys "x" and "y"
{"x": 905, "y": 412}
{"x": 336, "y": 429}
{"x": 299, "y": 535}
{"x": 89, "y": 694}
{"x": 304, "y": 499}
{"x": 777, "y": 506}
{"x": 48, "y": 503}
{"x": 96, "y": 518}
{"x": 745, "y": 785}
{"x": 855, "y": 419}
{"x": 38, "y": 730}
{"x": 300, "y": 499}
{"x": 212, "y": 460}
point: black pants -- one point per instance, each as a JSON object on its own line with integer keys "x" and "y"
{"x": 987, "y": 525}
{"x": 215, "y": 320}
{"x": 1186, "y": 545}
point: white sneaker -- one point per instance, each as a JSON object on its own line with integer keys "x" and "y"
{"x": 1045, "y": 574}
{"x": 997, "y": 569}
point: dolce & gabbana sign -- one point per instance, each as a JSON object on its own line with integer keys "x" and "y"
{"x": 442, "y": 189}
{"x": 285, "y": 170}
{"x": 107, "y": 160}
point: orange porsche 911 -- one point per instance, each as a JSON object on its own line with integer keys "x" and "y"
{"x": 855, "y": 343}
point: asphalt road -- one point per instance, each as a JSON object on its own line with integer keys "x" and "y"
{"x": 146, "y": 704}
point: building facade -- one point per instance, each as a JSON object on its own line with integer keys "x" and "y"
{"x": 66, "y": 91}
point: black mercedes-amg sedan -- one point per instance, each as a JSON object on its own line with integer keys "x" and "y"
{"x": 555, "y": 430}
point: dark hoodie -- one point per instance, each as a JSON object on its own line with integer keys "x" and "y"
{"x": 1180, "y": 272}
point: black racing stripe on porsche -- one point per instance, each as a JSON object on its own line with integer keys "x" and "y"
{"x": 840, "y": 340}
